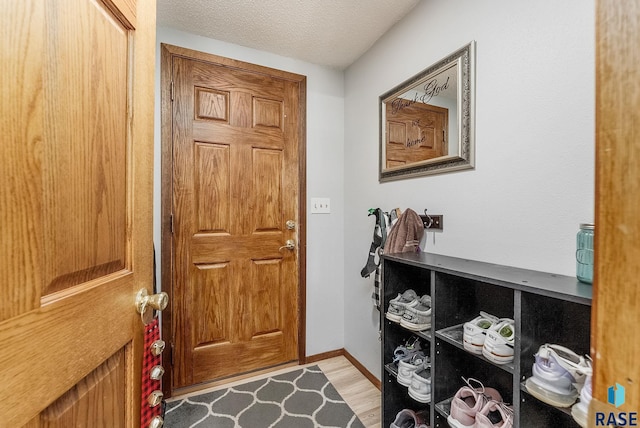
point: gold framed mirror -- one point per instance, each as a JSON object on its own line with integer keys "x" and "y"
{"x": 427, "y": 122}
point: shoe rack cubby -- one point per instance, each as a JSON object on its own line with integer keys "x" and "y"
{"x": 546, "y": 308}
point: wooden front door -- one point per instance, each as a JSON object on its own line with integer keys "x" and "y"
{"x": 237, "y": 131}
{"x": 75, "y": 244}
{"x": 415, "y": 133}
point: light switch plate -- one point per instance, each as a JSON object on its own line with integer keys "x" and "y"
{"x": 320, "y": 205}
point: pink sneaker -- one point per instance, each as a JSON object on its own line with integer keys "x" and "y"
{"x": 468, "y": 401}
{"x": 495, "y": 411}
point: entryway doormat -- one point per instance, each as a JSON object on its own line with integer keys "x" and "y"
{"x": 302, "y": 398}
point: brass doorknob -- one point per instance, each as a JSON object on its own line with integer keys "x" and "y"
{"x": 289, "y": 245}
{"x": 155, "y": 301}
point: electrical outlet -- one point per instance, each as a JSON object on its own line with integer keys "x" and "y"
{"x": 436, "y": 221}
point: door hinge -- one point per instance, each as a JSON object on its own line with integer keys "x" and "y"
{"x": 172, "y": 87}
{"x": 171, "y": 355}
{"x": 171, "y": 223}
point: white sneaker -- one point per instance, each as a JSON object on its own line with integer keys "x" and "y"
{"x": 498, "y": 346}
{"x": 420, "y": 388}
{"x": 581, "y": 409}
{"x": 406, "y": 368}
{"x": 558, "y": 375}
{"x": 475, "y": 332}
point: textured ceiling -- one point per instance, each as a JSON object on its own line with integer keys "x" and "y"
{"x": 333, "y": 33}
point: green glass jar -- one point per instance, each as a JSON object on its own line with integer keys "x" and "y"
{"x": 584, "y": 253}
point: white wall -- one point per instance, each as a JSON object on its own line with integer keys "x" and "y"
{"x": 325, "y": 141}
{"x": 534, "y": 177}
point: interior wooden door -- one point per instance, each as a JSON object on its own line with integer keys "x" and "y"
{"x": 75, "y": 209}
{"x": 236, "y": 132}
{"x": 616, "y": 309}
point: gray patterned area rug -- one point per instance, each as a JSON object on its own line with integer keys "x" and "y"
{"x": 299, "y": 399}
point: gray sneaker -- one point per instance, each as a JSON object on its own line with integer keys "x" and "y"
{"x": 408, "y": 418}
{"x": 418, "y": 317}
{"x": 398, "y": 305}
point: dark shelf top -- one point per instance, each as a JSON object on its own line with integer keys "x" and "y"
{"x": 531, "y": 281}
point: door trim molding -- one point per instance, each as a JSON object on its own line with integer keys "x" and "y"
{"x": 168, "y": 52}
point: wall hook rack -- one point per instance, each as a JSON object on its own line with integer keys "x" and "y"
{"x": 432, "y": 221}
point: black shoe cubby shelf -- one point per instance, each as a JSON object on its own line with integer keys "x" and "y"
{"x": 546, "y": 308}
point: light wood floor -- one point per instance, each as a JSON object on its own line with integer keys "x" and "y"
{"x": 360, "y": 394}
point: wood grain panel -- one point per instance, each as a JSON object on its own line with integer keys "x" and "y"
{"x": 210, "y": 132}
{"x": 241, "y": 106}
{"x": 206, "y": 248}
{"x": 267, "y": 113}
{"x": 261, "y": 351}
{"x": 50, "y": 349}
{"x": 181, "y": 207}
{"x": 211, "y": 104}
{"x": 265, "y": 291}
{"x": 213, "y": 188}
{"x": 85, "y": 183}
{"x": 209, "y": 290}
{"x": 125, "y": 10}
{"x": 267, "y": 190}
{"x": 393, "y": 163}
{"x": 21, "y": 121}
{"x": 616, "y": 308}
{"x": 101, "y": 394}
{"x": 397, "y": 132}
{"x": 229, "y": 79}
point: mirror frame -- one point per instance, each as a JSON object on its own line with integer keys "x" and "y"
{"x": 464, "y": 58}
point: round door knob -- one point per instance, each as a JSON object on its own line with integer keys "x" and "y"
{"x": 145, "y": 300}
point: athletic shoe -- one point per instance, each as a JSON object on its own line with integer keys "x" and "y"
{"x": 468, "y": 401}
{"x": 420, "y": 388}
{"x": 494, "y": 414}
{"x": 558, "y": 375}
{"x": 398, "y": 305}
{"x": 407, "y": 367}
{"x": 407, "y": 418}
{"x": 498, "y": 346}
{"x": 475, "y": 332}
{"x": 418, "y": 318}
{"x": 580, "y": 410}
